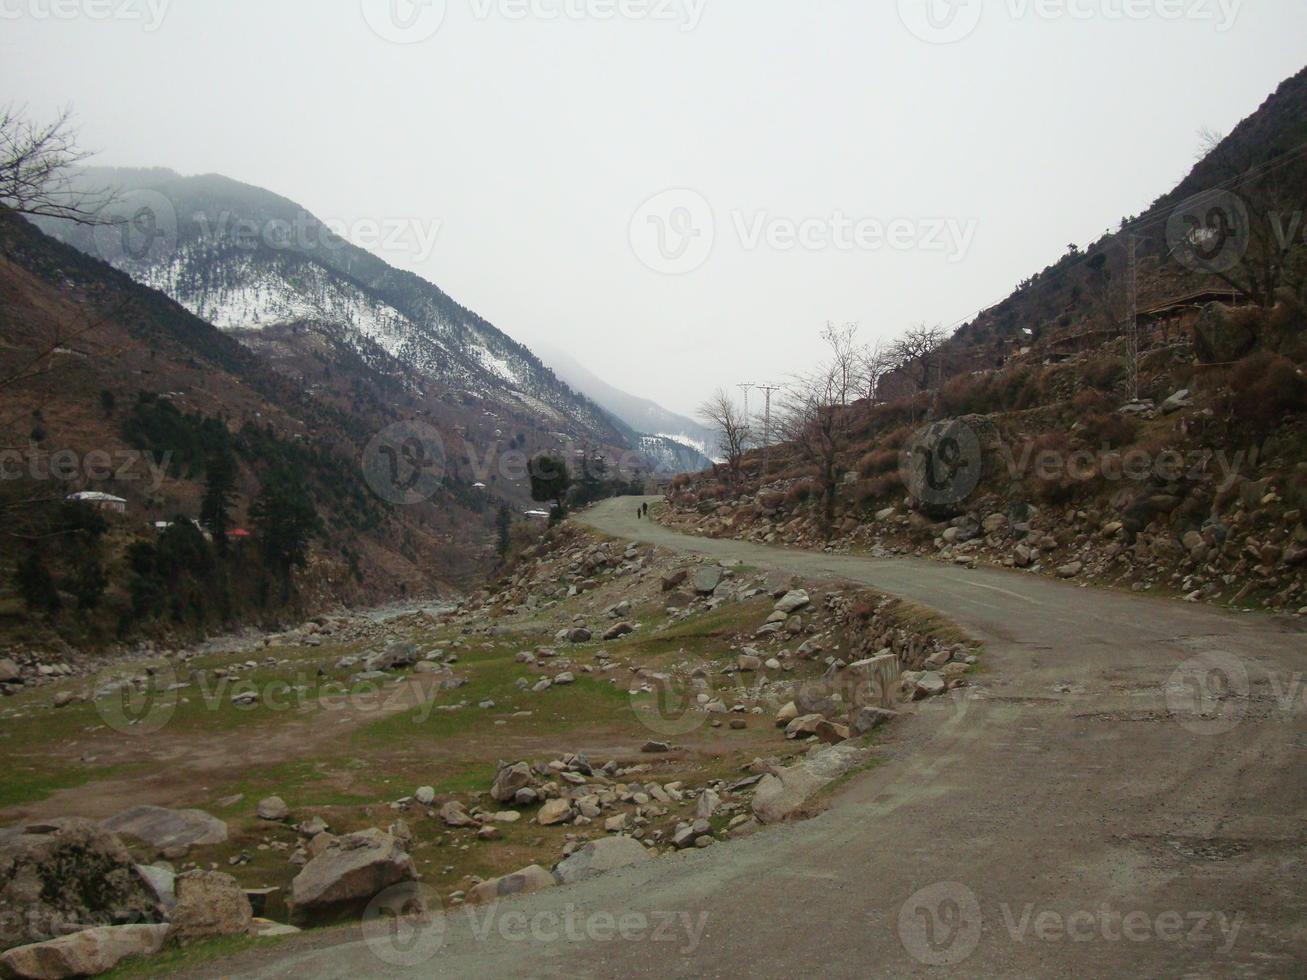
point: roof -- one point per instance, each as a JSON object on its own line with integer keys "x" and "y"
{"x": 93, "y": 497}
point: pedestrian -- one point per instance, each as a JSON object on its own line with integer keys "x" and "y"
{"x": 639, "y": 514}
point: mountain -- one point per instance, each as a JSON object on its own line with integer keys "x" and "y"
{"x": 254, "y": 264}
{"x": 638, "y": 414}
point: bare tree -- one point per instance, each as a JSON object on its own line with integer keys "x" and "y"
{"x": 38, "y": 168}
{"x": 816, "y": 422}
{"x": 918, "y": 354}
{"x": 875, "y": 364}
{"x": 843, "y": 345}
{"x": 732, "y": 426}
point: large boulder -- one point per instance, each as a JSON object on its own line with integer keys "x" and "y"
{"x": 524, "y": 882}
{"x": 783, "y": 793}
{"x": 209, "y": 904}
{"x": 944, "y": 463}
{"x": 509, "y": 780}
{"x": 349, "y": 873}
{"x": 164, "y": 829}
{"x": 707, "y": 579}
{"x": 597, "y": 857}
{"x": 397, "y": 656}
{"x": 68, "y": 876}
{"x": 82, "y": 954}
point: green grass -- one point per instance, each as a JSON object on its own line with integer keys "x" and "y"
{"x": 173, "y": 959}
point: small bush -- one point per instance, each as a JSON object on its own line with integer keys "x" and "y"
{"x": 1104, "y": 373}
{"x": 1091, "y": 402}
{"x": 1264, "y": 388}
{"x": 873, "y": 464}
{"x": 1111, "y": 429}
{"x": 800, "y": 493}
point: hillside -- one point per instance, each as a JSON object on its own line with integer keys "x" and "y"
{"x": 113, "y": 387}
{"x": 247, "y": 260}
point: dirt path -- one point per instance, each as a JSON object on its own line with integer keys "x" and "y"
{"x": 1079, "y": 819}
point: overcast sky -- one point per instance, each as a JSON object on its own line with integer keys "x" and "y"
{"x": 680, "y": 192}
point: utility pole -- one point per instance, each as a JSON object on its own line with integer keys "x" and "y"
{"x": 746, "y": 388}
{"x": 1132, "y": 319}
{"x": 766, "y": 437}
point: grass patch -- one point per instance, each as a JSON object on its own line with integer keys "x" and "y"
{"x": 174, "y": 959}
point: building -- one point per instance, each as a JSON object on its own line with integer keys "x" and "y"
{"x": 100, "y": 501}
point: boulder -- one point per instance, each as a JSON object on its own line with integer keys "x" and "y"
{"x": 803, "y": 726}
{"x": 877, "y": 680}
{"x": 780, "y": 795}
{"x": 929, "y": 685}
{"x": 1071, "y": 570}
{"x": 509, "y": 780}
{"x": 748, "y": 663}
{"x": 163, "y": 882}
{"x": 555, "y": 812}
{"x": 579, "y": 634}
{"x": 706, "y": 580}
{"x": 349, "y": 873}
{"x": 453, "y": 814}
{"x": 1220, "y": 338}
{"x": 792, "y": 602}
{"x": 209, "y": 904}
{"x": 397, "y": 656}
{"x": 618, "y": 631}
{"x": 597, "y": 857}
{"x": 273, "y": 808}
{"x": 1177, "y": 402}
{"x": 164, "y": 829}
{"x": 66, "y": 876}
{"x": 867, "y": 719}
{"x": 82, "y": 954}
{"x": 655, "y": 748}
{"x": 674, "y": 580}
{"x": 9, "y": 672}
{"x": 426, "y": 795}
{"x": 524, "y": 882}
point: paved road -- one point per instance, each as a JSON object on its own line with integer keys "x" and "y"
{"x": 1071, "y": 819}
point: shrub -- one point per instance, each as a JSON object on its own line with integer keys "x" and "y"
{"x": 1104, "y": 373}
{"x": 800, "y": 492}
{"x": 1264, "y": 388}
{"x": 1090, "y": 401}
{"x": 875, "y": 463}
{"x": 1111, "y": 429}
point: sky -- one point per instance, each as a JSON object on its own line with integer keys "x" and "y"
{"x": 682, "y": 193}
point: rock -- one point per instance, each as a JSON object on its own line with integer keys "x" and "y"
{"x": 209, "y": 904}
{"x": 266, "y": 929}
{"x": 833, "y": 733}
{"x": 565, "y": 678}
{"x": 1177, "y": 402}
{"x": 163, "y": 882}
{"x": 706, "y": 580}
{"x": 674, "y": 580}
{"x": 867, "y": 719}
{"x": 82, "y": 954}
{"x": 489, "y": 833}
{"x": 339, "y": 883}
{"x": 782, "y": 794}
{"x": 579, "y": 635}
{"x": 708, "y": 803}
{"x": 1024, "y": 556}
{"x": 509, "y": 780}
{"x": 273, "y": 808}
{"x": 929, "y": 685}
{"x": 65, "y": 875}
{"x": 9, "y": 672}
{"x": 397, "y": 656}
{"x": 878, "y": 680}
{"x": 426, "y": 795}
{"x": 749, "y": 663}
{"x": 786, "y": 715}
{"x": 655, "y": 748}
{"x": 793, "y": 602}
{"x": 619, "y": 631}
{"x": 555, "y": 812}
{"x": 454, "y": 815}
{"x": 598, "y": 857}
{"x": 1071, "y": 570}
{"x": 163, "y": 829}
{"x": 803, "y": 726}
{"x": 524, "y": 882}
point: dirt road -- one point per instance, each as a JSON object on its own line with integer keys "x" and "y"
{"x": 1123, "y": 796}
